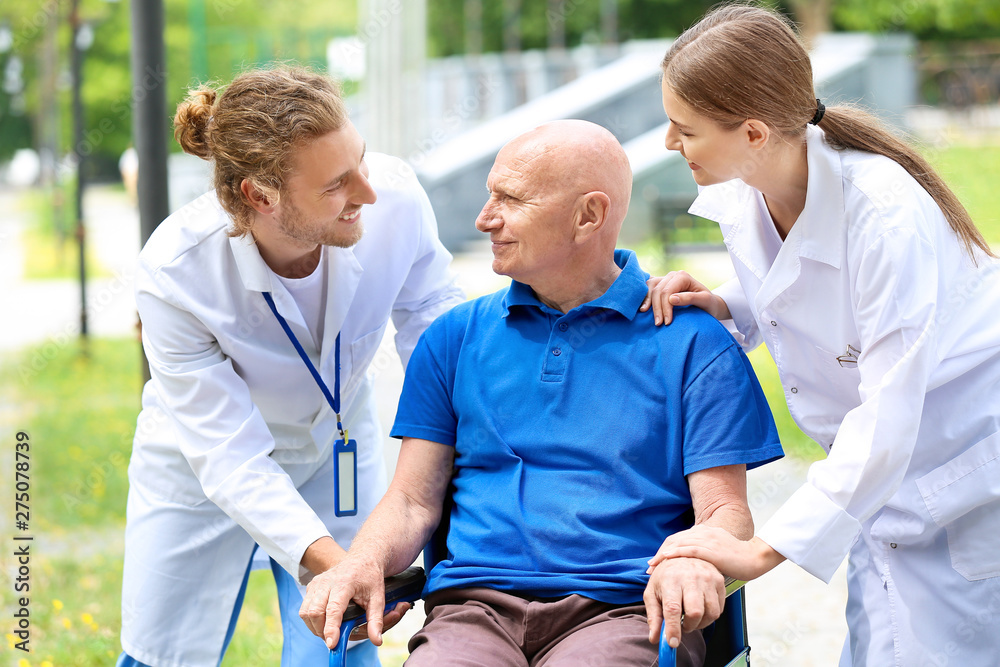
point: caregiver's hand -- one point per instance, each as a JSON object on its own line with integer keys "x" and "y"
{"x": 734, "y": 558}
{"x": 678, "y": 288}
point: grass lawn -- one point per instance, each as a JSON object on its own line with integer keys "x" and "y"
{"x": 79, "y": 411}
{"x": 973, "y": 173}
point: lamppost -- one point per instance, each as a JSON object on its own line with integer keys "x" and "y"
{"x": 82, "y": 37}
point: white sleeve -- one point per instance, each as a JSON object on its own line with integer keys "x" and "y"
{"x": 895, "y": 302}
{"x": 429, "y": 288}
{"x": 220, "y": 431}
{"x": 743, "y": 325}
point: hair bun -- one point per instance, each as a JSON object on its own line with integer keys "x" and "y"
{"x": 191, "y": 122}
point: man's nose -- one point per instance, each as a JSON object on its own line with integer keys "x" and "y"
{"x": 488, "y": 218}
{"x": 364, "y": 193}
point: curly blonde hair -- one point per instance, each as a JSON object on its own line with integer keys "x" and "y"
{"x": 249, "y": 130}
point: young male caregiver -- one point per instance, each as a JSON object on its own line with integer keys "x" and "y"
{"x": 263, "y": 304}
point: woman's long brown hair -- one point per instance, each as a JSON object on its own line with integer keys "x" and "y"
{"x": 741, "y": 62}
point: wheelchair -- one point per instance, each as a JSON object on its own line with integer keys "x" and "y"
{"x": 726, "y": 639}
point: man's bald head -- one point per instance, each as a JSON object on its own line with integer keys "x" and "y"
{"x": 576, "y": 157}
{"x": 558, "y": 196}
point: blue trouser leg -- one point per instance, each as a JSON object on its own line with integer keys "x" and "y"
{"x": 301, "y": 646}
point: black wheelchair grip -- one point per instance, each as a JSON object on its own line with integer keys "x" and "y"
{"x": 406, "y": 586}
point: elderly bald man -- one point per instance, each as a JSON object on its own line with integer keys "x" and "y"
{"x": 576, "y": 434}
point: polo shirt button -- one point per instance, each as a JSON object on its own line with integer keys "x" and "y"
{"x": 773, "y": 323}
{"x": 563, "y": 326}
{"x": 556, "y": 352}
{"x": 892, "y": 544}
{"x": 795, "y": 390}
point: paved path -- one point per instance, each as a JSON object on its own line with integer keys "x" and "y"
{"x": 48, "y": 311}
{"x": 794, "y": 619}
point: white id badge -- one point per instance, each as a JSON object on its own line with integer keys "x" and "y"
{"x": 345, "y": 477}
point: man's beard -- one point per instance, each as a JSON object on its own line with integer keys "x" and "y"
{"x": 294, "y": 225}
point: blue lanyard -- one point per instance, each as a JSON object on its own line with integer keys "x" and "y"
{"x": 333, "y": 400}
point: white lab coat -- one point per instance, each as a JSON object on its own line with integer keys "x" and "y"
{"x": 233, "y": 445}
{"x": 911, "y": 425}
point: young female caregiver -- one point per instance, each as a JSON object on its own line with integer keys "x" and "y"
{"x": 880, "y": 303}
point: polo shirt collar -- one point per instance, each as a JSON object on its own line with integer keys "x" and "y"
{"x": 624, "y": 296}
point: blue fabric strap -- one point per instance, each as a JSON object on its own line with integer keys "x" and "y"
{"x": 334, "y": 399}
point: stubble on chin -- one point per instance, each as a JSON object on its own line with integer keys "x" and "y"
{"x": 346, "y": 238}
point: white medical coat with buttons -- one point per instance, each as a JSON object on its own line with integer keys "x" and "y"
{"x": 233, "y": 445}
{"x": 886, "y": 336}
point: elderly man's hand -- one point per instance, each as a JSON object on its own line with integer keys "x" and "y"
{"x": 329, "y": 594}
{"x": 683, "y": 585}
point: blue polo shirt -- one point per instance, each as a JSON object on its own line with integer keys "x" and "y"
{"x": 573, "y": 434}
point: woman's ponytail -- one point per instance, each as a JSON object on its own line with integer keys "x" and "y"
{"x": 852, "y": 127}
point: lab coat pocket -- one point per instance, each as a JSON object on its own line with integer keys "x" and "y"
{"x": 363, "y": 351}
{"x": 963, "y": 497}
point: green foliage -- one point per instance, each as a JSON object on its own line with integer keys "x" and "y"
{"x": 653, "y": 19}
{"x": 637, "y": 19}
{"x": 927, "y": 19}
{"x": 212, "y": 40}
{"x": 205, "y": 40}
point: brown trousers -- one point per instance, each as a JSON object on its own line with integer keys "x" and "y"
{"x": 479, "y": 627}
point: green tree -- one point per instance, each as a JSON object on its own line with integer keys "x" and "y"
{"x": 637, "y": 19}
{"x": 226, "y": 35}
{"x": 927, "y": 19}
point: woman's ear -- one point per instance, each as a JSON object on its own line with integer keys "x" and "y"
{"x": 256, "y": 197}
{"x": 757, "y": 133}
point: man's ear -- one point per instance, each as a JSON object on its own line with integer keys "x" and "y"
{"x": 256, "y": 197}
{"x": 756, "y": 132}
{"x": 592, "y": 213}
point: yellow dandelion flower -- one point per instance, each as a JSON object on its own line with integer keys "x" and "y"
{"x": 57, "y": 605}
{"x": 47, "y": 663}
{"x": 87, "y": 618}
{"x": 11, "y": 639}
{"x": 23, "y": 663}
{"x": 68, "y": 624}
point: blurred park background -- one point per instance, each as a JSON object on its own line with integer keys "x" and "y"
{"x": 442, "y": 83}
